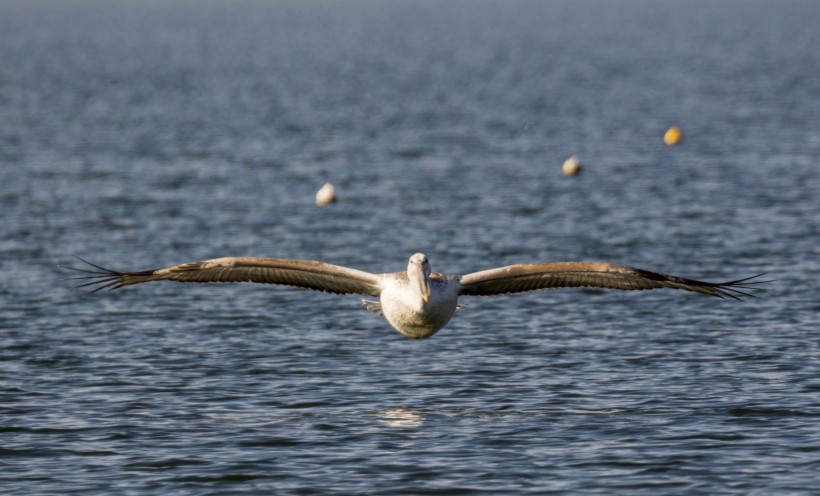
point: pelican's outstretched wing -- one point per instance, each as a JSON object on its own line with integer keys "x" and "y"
{"x": 307, "y": 274}
{"x": 529, "y": 277}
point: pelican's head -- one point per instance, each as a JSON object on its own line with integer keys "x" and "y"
{"x": 418, "y": 272}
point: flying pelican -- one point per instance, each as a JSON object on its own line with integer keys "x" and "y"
{"x": 417, "y": 302}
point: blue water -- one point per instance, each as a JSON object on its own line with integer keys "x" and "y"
{"x": 143, "y": 134}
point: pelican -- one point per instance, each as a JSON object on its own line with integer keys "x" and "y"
{"x": 417, "y": 302}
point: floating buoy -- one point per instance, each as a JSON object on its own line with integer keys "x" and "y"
{"x": 326, "y": 195}
{"x": 673, "y": 136}
{"x": 571, "y": 166}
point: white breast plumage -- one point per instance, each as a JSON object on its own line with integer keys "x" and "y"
{"x": 413, "y": 317}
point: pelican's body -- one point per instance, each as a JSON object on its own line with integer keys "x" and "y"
{"x": 416, "y": 302}
{"x": 410, "y": 314}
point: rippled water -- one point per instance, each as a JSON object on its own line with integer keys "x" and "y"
{"x": 140, "y": 134}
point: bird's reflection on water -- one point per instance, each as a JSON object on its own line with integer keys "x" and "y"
{"x": 401, "y": 416}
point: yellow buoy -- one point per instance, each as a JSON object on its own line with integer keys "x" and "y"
{"x": 673, "y": 136}
{"x": 326, "y": 195}
{"x": 571, "y": 166}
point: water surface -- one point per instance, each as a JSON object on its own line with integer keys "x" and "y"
{"x": 140, "y": 134}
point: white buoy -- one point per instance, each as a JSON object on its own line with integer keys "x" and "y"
{"x": 571, "y": 166}
{"x": 326, "y": 195}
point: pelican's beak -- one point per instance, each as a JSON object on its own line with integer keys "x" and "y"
{"x": 423, "y": 285}
{"x": 424, "y": 288}
{"x": 418, "y": 271}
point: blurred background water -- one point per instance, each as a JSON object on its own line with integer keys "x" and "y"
{"x": 139, "y": 134}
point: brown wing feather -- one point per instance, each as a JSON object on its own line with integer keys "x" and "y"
{"x": 307, "y": 274}
{"x": 529, "y": 277}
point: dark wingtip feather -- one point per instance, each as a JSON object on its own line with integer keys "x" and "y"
{"x": 102, "y": 277}
{"x": 734, "y": 289}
